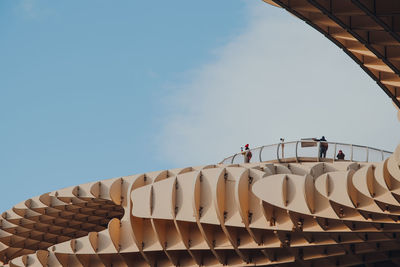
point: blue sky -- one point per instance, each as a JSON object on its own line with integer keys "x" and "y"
{"x": 83, "y": 83}
{"x": 98, "y": 89}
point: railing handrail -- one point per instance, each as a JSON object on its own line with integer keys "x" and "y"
{"x": 297, "y": 142}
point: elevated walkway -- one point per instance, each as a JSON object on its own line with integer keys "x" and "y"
{"x": 307, "y": 150}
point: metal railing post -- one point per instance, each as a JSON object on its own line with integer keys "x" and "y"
{"x": 367, "y": 154}
{"x": 334, "y": 152}
{"x": 277, "y": 153}
{"x": 233, "y": 158}
{"x": 261, "y": 149}
{"x": 297, "y": 156}
{"x": 382, "y": 155}
{"x": 351, "y": 154}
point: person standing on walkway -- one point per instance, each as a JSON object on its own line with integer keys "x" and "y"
{"x": 323, "y": 146}
{"x": 247, "y": 154}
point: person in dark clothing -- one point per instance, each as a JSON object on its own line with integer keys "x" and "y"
{"x": 323, "y": 147}
{"x": 340, "y": 155}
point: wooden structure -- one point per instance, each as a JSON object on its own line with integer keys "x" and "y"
{"x": 368, "y": 31}
{"x": 255, "y": 214}
{"x": 295, "y": 214}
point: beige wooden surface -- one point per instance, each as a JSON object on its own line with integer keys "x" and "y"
{"x": 237, "y": 215}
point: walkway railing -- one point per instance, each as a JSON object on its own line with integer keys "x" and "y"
{"x": 308, "y": 150}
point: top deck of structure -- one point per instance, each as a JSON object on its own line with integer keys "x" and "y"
{"x": 307, "y": 150}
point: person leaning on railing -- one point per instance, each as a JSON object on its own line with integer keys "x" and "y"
{"x": 323, "y": 147}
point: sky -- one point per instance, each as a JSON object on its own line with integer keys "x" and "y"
{"x": 91, "y": 90}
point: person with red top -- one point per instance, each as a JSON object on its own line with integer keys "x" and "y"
{"x": 340, "y": 155}
{"x": 247, "y": 154}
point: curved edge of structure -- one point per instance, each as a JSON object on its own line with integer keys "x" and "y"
{"x": 367, "y": 31}
{"x": 333, "y": 214}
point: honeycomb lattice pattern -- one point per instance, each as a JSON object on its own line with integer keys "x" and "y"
{"x": 332, "y": 214}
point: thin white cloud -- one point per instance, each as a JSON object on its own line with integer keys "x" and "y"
{"x": 32, "y": 9}
{"x": 28, "y": 7}
{"x": 279, "y": 78}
